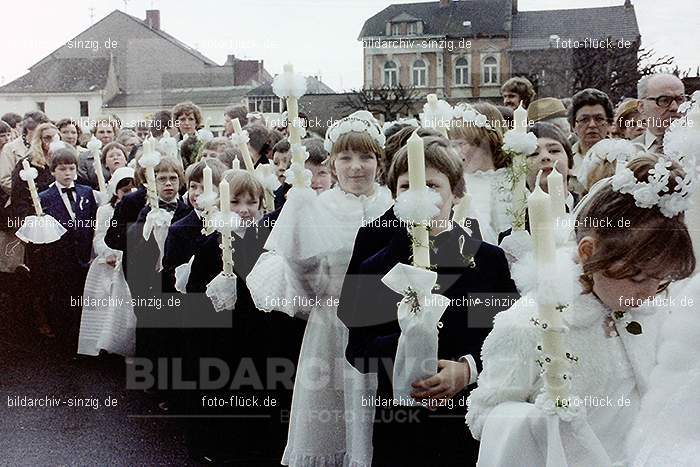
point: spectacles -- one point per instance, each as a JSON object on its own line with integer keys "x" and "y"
{"x": 665, "y": 101}
{"x": 595, "y": 118}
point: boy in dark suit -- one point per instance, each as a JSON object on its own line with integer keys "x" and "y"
{"x": 67, "y": 260}
{"x": 467, "y": 269}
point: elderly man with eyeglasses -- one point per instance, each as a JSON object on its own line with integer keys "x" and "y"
{"x": 590, "y": 116}
{"x": 660, "y": 95}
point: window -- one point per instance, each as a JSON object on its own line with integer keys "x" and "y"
{"x": 461, "y": 72}
{"x": 84, "y": 108}
{"x": 395, "y": 29}
{"x": 391, "y": 74}
{"x": 489, "y": 72}
{"x": 419, "y": 73}
{"x": 412, "y": 28}
{"x": 40, "y": 106}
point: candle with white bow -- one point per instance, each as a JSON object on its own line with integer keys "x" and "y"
{"x": 433, "y": 103}
{"x": 32, "y": 189}
{"x": 243, "y": 146}
{"x": 94, "y": 145}
{"x": 542, "y": 230}
{"x": 416, "y": 182}
{"x": 555, "y": 188}
{"x": 149, "y": 160}
{"x": 291, "y": 86}
{"x": 225, "y": 208}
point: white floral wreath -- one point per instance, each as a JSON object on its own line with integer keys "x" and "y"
{"x": 618, "y": 151}
{"x": 358, "y": 122}
{"x": 646, "y": 194}
{"x": 472, "y": 117}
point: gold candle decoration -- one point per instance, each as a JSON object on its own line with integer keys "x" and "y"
{"x": 416, "y": 182}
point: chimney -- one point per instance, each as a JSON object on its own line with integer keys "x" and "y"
{"x": 444, "y": 3}
{"x": 514, "y": 7}
{"x": 153, "y": 19}
{"x": 260, "y": 71}
{"x": 628, "y": 3}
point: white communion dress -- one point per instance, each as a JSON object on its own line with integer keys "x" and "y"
{"x": 667, "y": 431}
{"x": 302, "y": 275}
{"x": 108, "y": 321}
{"x": 490, "y": 203}
{"x": 609, "y": 379}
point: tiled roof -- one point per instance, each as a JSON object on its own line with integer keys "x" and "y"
{"x": 63, "y": 75}
{"x": 166, "y": 98}
{"x": 488, "y": 17}
{"x": 532, "y": 29}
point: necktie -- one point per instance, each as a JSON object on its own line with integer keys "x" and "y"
{"x": 167, "y": 205}
{"x": 70, "y": 192}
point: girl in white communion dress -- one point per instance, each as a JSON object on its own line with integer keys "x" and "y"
{"x": 612, "y": 336}
{"x": 302, "y": 275}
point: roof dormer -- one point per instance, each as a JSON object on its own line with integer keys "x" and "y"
{"x": 404, "y": 25}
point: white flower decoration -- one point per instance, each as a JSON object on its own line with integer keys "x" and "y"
{"x": 29, "y": 174}
{"x": 241, "y": 138}
{"x": 523, "y": 143}
{"x": 289, "y": 84}
{"x": 357, "y": 122}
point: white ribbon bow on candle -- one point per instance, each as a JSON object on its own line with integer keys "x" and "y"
{"x": 418, "y": 314}
{"x": 158, "y": 222}
{"x": 417, "y": 206}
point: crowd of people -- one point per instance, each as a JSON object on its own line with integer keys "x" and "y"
{"x": 299, "y": 368}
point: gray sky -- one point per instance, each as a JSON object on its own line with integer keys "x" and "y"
{"x": 318, "y": 37}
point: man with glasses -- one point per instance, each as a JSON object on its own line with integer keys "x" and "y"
{"x": 660, "y": 95}
{"x": 590, "y": 116}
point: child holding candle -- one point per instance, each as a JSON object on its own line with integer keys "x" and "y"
{"x": 305, "y": 275}
{"x": 65, "y": 262}
{"x": 476, "y": 134}
{"x": 107, "y": 327}
{"x": 466, "y": 267}
{"x": 241, "y": 337}
{"x": 623, "y": 227}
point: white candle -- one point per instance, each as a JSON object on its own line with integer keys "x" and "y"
{"x": 555, "y": 188}
{"x": 520, "y": 119}
{"x": 94, "y": 146}
{"x": 292, "y": 112}
{"x": 225, "y": 207}
{"x": 416, "y": 182}
{"x": 32, "y": 190}
{"x": 236, "y": 164}
{"x": 459, "y": 214}
{"x": 247, "y": 159}
{"x": 416, "y": 162}
{"x": 208, "y": 184}
{"x": 151, "y": 187}
{"x": 542, "y": 230}
{"x": 432, "y": 102}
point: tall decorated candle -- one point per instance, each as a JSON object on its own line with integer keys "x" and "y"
{"x": 94, "y": 145}
{"x": 520, "y": 192}
{"x": 291, "y": 86}
{"x": 32, "y": 189}
{"x": 236, "y": 165}
{"x": 245, "y": 150}
{"x": 542, "y": 230}
{"x": 555, "y": 188}
{"x": 225, "y": 208}
{"x": 416, "y": 182}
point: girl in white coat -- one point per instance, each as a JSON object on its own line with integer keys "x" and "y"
{"x": 631, "y": 243}
{"x": 302, "y": 275}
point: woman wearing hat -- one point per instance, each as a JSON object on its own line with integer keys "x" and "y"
{"x": 628, "y": 121}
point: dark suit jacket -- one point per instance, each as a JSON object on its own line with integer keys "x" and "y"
{"x": 184, "y": 240}
{"x": 77, "y": 241}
